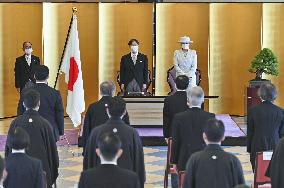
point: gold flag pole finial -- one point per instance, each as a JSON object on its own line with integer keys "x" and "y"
{"x": 74, "y": 10}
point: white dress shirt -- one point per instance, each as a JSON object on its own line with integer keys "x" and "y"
{"x": 134, "y": 57}
{"x": 28, "y": 59}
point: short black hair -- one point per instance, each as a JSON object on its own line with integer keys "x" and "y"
{"x": 214, "y": 130}
{"x": 31, "y": 98}
{"x": 182, "y": 82}
{"x": 132, "y": 40}
{"x": 41, "y": 72}
{"x": 268, "y": 92}
{"x": 19, "y": 139}
{"x": 109, "y": 144}
{"x": 116, "y": 106}
{"x": 2, "y": 166}
{"x": 25, "y": 43}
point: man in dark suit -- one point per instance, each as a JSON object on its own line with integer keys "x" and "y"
{"x": 174, "y": 104}
{"x": 24, "y": 67}
{"x": 23, "y": 171}
{"x": 97, "y": 112}
{"x": 134, "y": 69}
{"x": 132, "y": 157}
{"x": 188, "y": 128}
{"x": 51, "y": 107}
{"x": 265, "y": 123}
{"x": 42, "y": 143}
{"x": 108, "y": 174}
{"x": 213, "y": 167}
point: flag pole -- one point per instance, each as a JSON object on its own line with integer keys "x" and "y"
{"x": 74, "y": 11}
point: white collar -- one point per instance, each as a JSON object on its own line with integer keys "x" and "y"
{"x": 18, "y": 151}
{"x": 195, "y": 106}
{"x": 133, "y": 54}
{"x": 181, "y": 90}
{"x": 28, "y": 55}
{"x": 41, "y": 82}
{"x": 103, "y": 161}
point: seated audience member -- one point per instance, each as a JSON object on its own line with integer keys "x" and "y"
{"x": 42, "y": 143}
{"x": 213, "y": 167}
{"x": 23, "y": 171}
{"x": 265, "y": 123}
{"x": 51, "y": 107}
{"x": 2, "y": 171}
{"x": 96, "y": 113}
{"x": 174, "y": 104}
{"x": 188, "y": 128}
{"x": 108, "y": 174}
{"x": 132, "y": 157}
{"x": 276, "y": 167}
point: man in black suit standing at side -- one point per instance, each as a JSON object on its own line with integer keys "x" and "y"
{"x": 25, "y": 66}
{"x": 51, "y": 107}
{"x": 108, "y": 173}
{"x": 265, "y": 123}
{"x": 188, "y": 129}
{"x": 134, "y": 69}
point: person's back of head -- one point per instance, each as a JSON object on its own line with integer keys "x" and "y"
{"x": 41, "y": 73}
{"x": 214, "y": 132}
{"x": 268, "y": 92}
{"x": 195, "y": 96}
{"x": 182, "y": 82}
{"x": 107, "y": 88}
{"x": 31, "y": 99}
{"x": 109, "y": 146}
{"x": 116, "y": 107}
{"x": 19, "y": 139}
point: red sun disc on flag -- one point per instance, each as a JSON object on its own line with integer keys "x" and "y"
{"x": 73, "y": 73}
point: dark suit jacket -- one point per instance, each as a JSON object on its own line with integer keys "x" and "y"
{"x": 188, "y": 130}
{"x": 23, "y": 171}
{"x": 265, "y": 126}
{"x": 132, "y": 157}
{"x": 172, "y": 105}
{"x": 129, "y": 71}
{"x": 24, "y": 72}
{"x": 51, "y": 107}
{"x": 213, "y": 168}
{"x": 108, "y": 175}
{"x": 42, "y": 144}
{"x": 97, "y": 115}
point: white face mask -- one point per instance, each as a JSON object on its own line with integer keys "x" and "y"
{"x": 185, "y": 46}
{"x": 28, "y": 51}
{"x": 134, "y": 49}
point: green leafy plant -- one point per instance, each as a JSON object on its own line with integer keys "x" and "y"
{"x": 265, "y": 62}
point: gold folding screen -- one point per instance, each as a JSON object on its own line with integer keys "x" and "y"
{"x": 173, "y": 21}
{"x": 226, "y": 38}
{"x": 273, "y": 37}
{"x": 119, "y": 22}
{"x": 18, "y": 23}
{"x": 235, "y": 38}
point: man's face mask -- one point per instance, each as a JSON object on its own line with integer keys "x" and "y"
{"x": 134, "y": 49}
{"x": 28, "y": 51}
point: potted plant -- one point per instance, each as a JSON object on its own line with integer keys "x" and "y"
{"x": 265, "y": 62}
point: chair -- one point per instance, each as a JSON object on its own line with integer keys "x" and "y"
{"x": 261, "y": 165}
{"x": 171, "y": 75}
{"x": 169, "y": 167}
{"x": 181, "y": 176}
{"x": 146, "y": 93}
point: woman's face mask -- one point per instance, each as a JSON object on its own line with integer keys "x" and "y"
{"x": 185, "y": 46}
